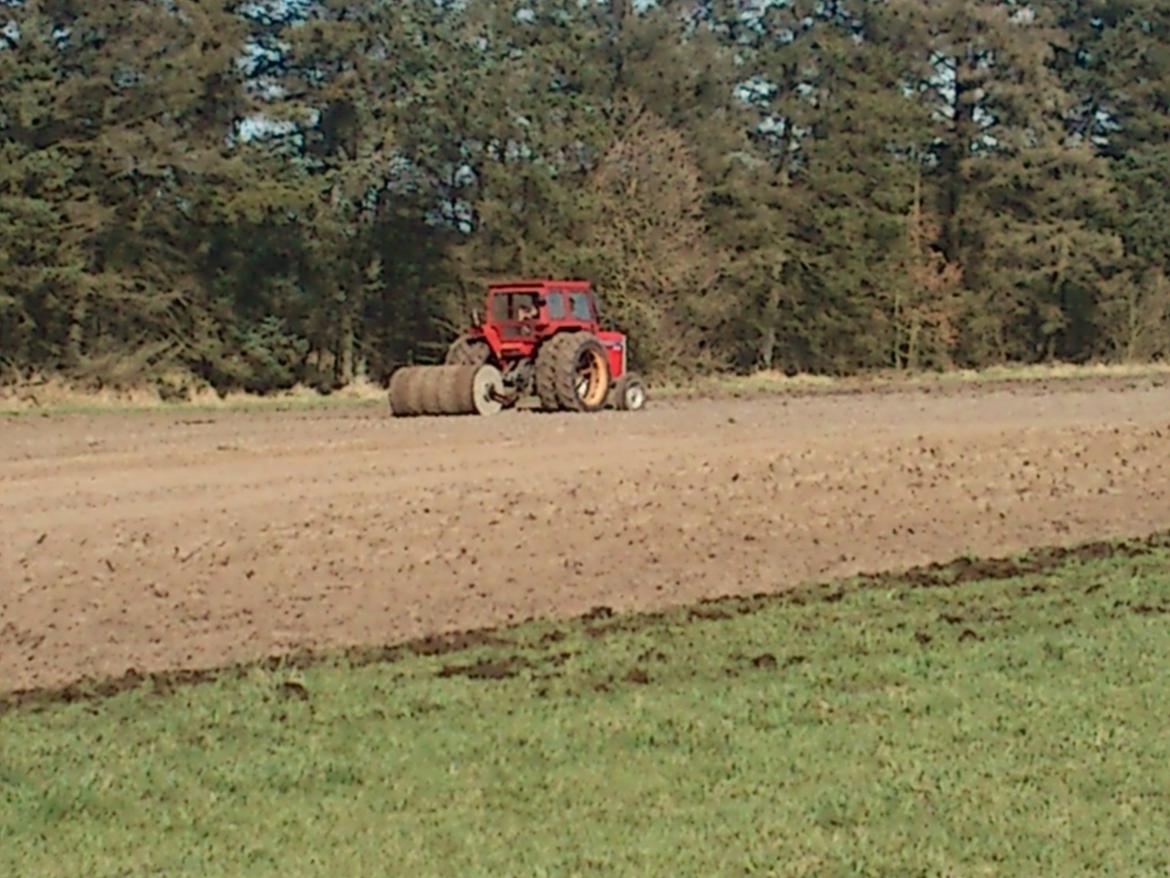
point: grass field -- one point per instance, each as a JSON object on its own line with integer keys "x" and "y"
{"x": 997, "y": 727}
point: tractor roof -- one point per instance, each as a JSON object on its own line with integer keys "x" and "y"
{"x": 541, "y": 283}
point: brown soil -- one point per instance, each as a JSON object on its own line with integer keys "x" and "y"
{"x": 147, "y": 543}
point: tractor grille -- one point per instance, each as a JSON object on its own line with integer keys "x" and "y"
{"x": 516, "y": 332}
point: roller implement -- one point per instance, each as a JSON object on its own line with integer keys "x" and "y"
{"x": 541, "y": 338}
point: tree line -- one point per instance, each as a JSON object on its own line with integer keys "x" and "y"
{"x": 262, "y": 193}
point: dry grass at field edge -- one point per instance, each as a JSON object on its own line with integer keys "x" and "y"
{"x": 960, "y": 380}
{"x": 52, "y": 397}
{"x": 55, "y": 397}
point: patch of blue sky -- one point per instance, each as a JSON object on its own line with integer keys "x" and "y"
{"x": 756, "y": 90}
{"x": 272, "y": 13}
{"x": 262, "y": 54}
{"x": 10, "y": 33}
{"x": 266, "y": 88}
{"x": 529, "y": 15}
{"x": 464, "y": 177}
{"x": 257, "y": 128}
{"x": 456, "y": 214}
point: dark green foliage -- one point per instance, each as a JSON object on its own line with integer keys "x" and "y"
{"x": 258, "y": 201}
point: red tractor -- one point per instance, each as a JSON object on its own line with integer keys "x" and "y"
{"x": 542, "y": 338}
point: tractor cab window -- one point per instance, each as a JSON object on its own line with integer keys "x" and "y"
{"x": 556, "y": 306}
{"x": 515, "y": 307}
{"x": 579, "y": 304}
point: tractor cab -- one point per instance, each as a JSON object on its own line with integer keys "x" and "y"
{"x": 522, "y": 312}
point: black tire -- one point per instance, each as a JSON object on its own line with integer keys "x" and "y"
{"x": 466, "y": 351}
{"x": 547, "y": 360}
{"x": 629, "y": 394}
{"x": 572, "y": 373}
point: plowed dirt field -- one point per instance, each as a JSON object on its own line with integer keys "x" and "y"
{"x": 155, "y": 542}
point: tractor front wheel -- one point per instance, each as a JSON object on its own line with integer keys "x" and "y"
{"x": 572, "y": 373}
{"x": 466, "y": 351}
{"x": 629, "y": 394}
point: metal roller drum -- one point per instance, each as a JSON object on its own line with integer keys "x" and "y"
{"x": 446, "y": 390}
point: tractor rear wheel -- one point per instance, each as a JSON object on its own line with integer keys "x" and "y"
{"x": 466, "y": 351}
{"x": 572, "y": 373}
{"x": 546, "y": 373}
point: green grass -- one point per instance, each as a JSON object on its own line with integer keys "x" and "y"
{"x": 1009, "y": 727}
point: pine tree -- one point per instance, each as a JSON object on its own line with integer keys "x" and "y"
{"x": 1117, "y": 69}
{"x": 875, "y": 274}
{"x": 105, "y": 120}
{"x": 337, "y": 181}
{"x": 1023, "y": 205}
{"x": 812, "y": 201}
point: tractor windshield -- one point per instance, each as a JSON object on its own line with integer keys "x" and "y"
{"x": 515, "y": 307}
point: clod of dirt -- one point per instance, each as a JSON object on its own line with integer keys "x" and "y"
{"x": 598, "y": 613}
{"x": 485, "y": 670}
{"x": 560, "y": 659}
{"x": 293, "y": 689}
{"x": 443, "y": 644}
{"x": 29, "y": 640}
{"x": 1148, "y": 610}
{"x": 766, "y": 662}
{"x": 968, "y": 634}
{"x": 923, "y": 638}
{"x": 708, "y": 614}
{"x": 638, "y": 677}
